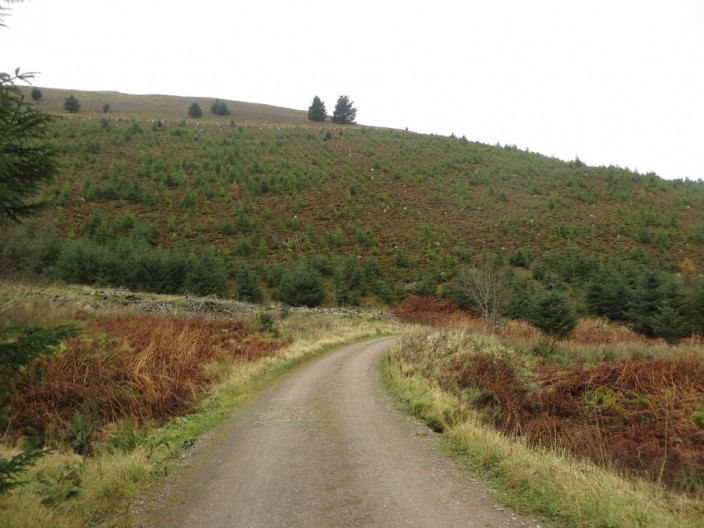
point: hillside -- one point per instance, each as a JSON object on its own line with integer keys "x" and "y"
{"x": 159, "y": 106}
{"x": 378, "y": 212}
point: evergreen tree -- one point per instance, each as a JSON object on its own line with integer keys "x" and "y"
{"x": 219, "y": 108}
{"x": 552, "y": 314}
{"x": 28, "y": 161}
{"x": 609, "y": 295}
{"x": 317, "y": 111}
{"x": 345, "y": 113}
{"x": 36, "y": 94}
{"x": 106, "y": 108}
{"x": 71, "y": 104}
{"x": 206, "y": 275}
{"x": 698, "y": 306}
{"x": 173, "y": 273}
{"x": 670, "y": 323}
{"x": 247, "y": 288}
{"x": 195, "y": 111}
{"x": 302, "y": 286}
{"x": 661, "y": 308}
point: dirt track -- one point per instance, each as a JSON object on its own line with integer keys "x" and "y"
{"x": 324, "y": 447}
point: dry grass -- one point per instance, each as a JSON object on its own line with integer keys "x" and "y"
{"x": 631, "y": 416}
{"x": 567, "y": 491}
{"x": 68, "y": 490}
{"x": 145, "y": 367}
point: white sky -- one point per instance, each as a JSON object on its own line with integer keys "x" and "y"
{"x": 612, "y": 81}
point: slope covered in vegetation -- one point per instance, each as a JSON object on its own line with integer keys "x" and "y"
{"x": 255, "y": 210}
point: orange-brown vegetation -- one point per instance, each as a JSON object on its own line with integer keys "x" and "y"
{"x": 430, "y": 310}
{"x": 444, "y": 313}
{"x": 634, "y": 415}
{"x": 145, "y": 367}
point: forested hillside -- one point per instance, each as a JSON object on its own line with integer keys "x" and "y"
{"x": 261, "y": 209}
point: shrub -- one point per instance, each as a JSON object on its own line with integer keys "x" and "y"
{"x": 71, "y": 104}
{"x": 302, "y": 286}
{"x": 219, "y": 108}
{"x": 195, "y": 111}
{"x": 552, "y": 314}
{"x": 247, "y": 288}
{"x": 206, "y": 275}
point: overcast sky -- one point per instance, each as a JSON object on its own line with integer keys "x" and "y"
{"x": 612, "y": 81}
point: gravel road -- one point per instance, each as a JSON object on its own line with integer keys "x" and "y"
{"x": 323, "y": 447}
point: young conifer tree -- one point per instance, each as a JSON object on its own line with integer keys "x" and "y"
{"x": 317, "y": 111}
{"x": 345, "y": 113}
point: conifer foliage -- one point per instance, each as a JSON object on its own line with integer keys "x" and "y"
{"x": 317, "y": 111}
{"x": 552, "y": 313}
{"x": 195, "y": 111}
{"x": 345, "y": 113}
{"x": 27, "y": 161}
{"x": 71, "y": 104}
{"x": 302, "y": 286}
{"x": 220, "y": 108}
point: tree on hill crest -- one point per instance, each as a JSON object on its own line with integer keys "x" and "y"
{"x": 317, "y": 111}
{"x": 220, "y": 108}
{"x": 71, "y": 104}
{"x": 195, "y": 111}
{"x": 345, "y": 113}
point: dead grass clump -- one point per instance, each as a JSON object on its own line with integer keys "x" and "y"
{"x": 444, "y": 313}
{"x": 145, "y": 367}
{"x": 496, "y": 386}
{"x": 635, "y": 416}
{"x": 428, "y": 310}
{"x": 601, "y": 332}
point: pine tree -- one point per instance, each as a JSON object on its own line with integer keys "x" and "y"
{"x": 609, "y": 295}
{"x": 553, "y": 314}
{"x": 247, "y": 288}
{"x": 206, "y": 275}
{"x": 219, "y": 108}
{"x": 317, "y": 111}
{"x": 670, "y": 323}
{"x": 302, "y": 286}
{"x": 660, "y": 307}
{"x": 344, "y": 113}
{"x": 27, "y": 161}
{"x": 71, "y": 104}
{"x": 195, "y": 111}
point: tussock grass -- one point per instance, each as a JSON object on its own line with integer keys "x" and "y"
{"x": 20, "y": 305}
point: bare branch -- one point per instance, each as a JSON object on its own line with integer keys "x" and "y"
{"x": 484, "y": 291}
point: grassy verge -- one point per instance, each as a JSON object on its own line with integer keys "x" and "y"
{"x": 65, "y": 489}
{"x": 565, "y": 491}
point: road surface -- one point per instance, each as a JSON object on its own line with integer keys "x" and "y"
{"x": 324, "y": 447}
